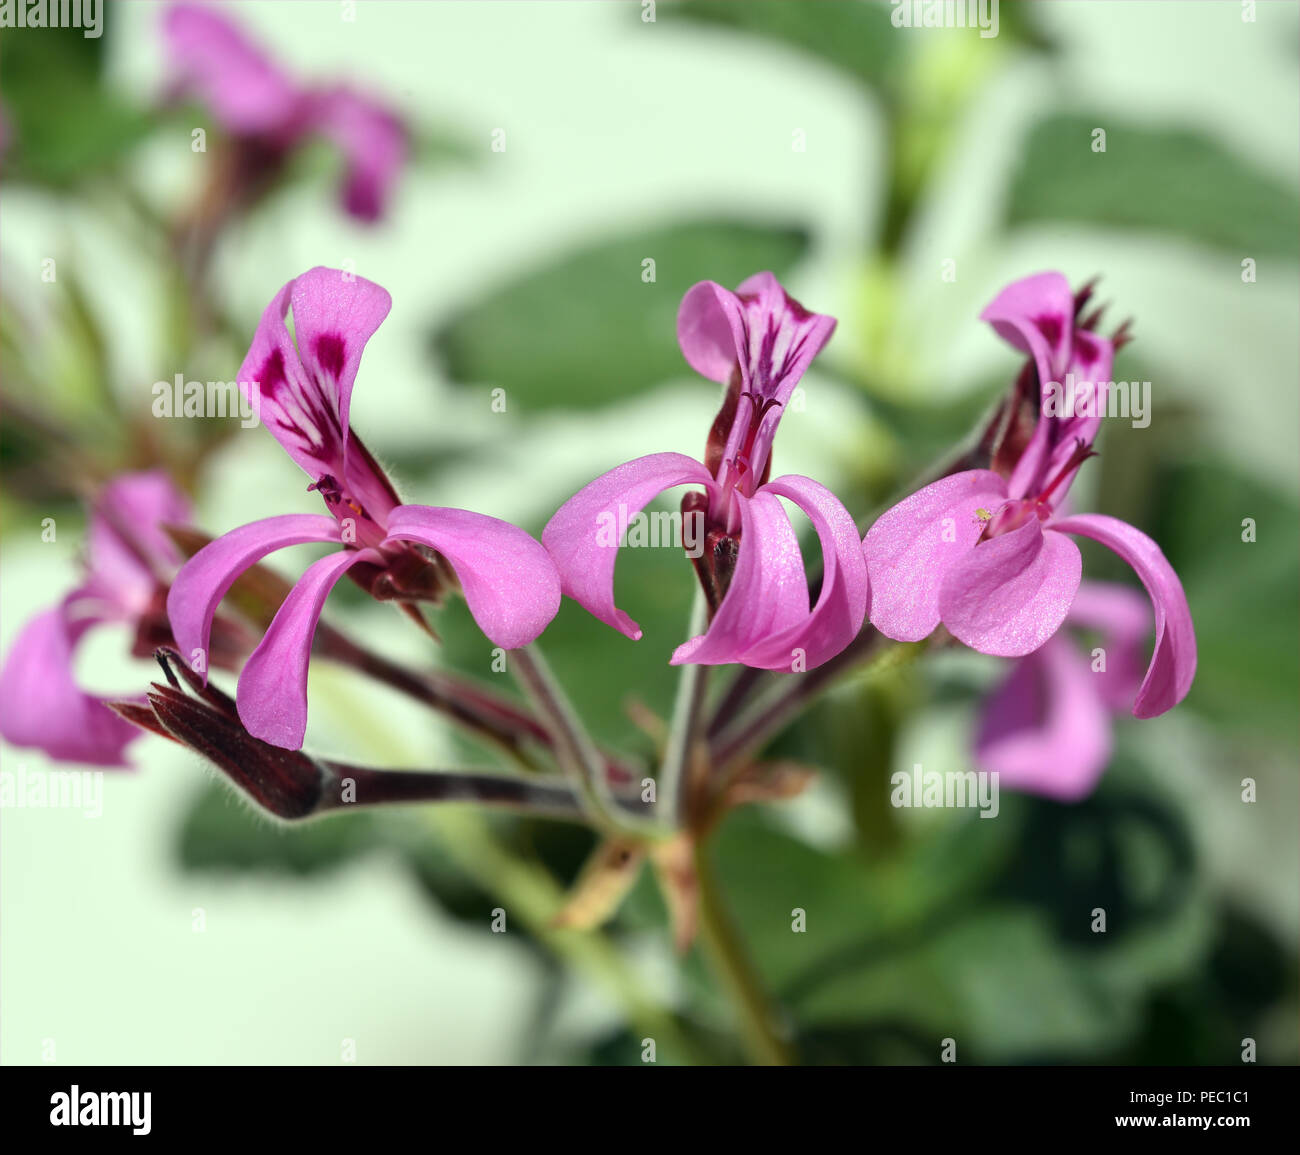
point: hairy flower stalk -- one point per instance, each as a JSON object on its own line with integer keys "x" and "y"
{"x": 292, "y": 785}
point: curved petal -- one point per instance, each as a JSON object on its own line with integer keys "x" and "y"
{"x": 711, "y": 330}
{"x": 303, "y": 392}
{"x": 272, "y": 693}
{"x": 1173, "y": 661}
{"x": 1122, "y": 615}
{"x": 41, "y": 704}
{"x": 245, "y": 92}
{"x": 508, "y": 579}
{"x": 374, "y": 145}
{"x": 768, "y": 592}
{"x": 1012, "y": 592}
{"x": 584, "y": 535}
{"x": 126, "y": 542}
{"x": 1046, "y": 729}
{"x": 845, "y": 594}
{"x": 204, "y": 580}
{"x": 1036, "y": 315}
{"x": 913, "y": 545}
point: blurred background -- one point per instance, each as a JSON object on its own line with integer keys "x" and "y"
{"x": 893, "y": 177}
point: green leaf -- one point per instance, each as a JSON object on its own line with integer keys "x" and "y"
{"x": 1167, "y": 180}
{"x": 66, "y": 125}
{"x": 849, "y": 35}
{"x": 587, "y": 329}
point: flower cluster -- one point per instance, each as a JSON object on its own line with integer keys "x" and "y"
{"x": 986, "y": 553}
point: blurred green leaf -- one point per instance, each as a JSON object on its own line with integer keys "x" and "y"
{"x": 65, "y": 123}
{"x": 1242, "y": 594}
{"x": 849, "y": 35}
{"x": 1168, "y": 180}
{"x": 586, "y": 329}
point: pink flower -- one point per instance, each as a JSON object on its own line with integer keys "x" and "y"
{"x": 303, "y": 394}
{"x": 760, "y": 341}
{"x": 265, "y": 110}
{"x": 1047, "y": 729}
{"x": 129, "y": 559}
{"x": 991, "y": 558}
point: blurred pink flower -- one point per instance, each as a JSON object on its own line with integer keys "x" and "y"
{"x": 258, "y": 104}
{"x": 303, "y": 394}
{"x": 760, "y": 341}
{"x": 990, "y": 558}
{"x": 129, "y": 560}
{"x": 1048, "y": 728}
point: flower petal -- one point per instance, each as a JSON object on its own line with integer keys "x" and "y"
{"x": 245, "y": 92}
{"x": 768, "y": 592}
{"x": 204, "y": 580}
{"x": 1036, "y": 315}
{"x": 303, "y": 392}
{"x": 845, "y": 594}
{"x": 1173, "y": 662}
{"x": 1012, "y": 592}
{"x": 508, "y": 578}
{"x": 373, "y": 141}
{"x": 913, "y": 545}
{"x": 1046, "y": 729}
{"x": 583, "y": 536}
{"x": 272, "y": 693}
{"x": 128, "y": 551}
{"x": 41, "y": 704}
{"x": 1122, "y": 615}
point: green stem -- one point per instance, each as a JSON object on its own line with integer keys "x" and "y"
{"x": 673, "y": 784}
{"x": 574, "y": 750}
{"x": 736, "y": 973}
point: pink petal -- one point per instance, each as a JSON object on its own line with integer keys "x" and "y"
{"x": 204, "y": 580}
{"x": 845, "y": 594}
{"x": 245, "y": 92}
{"x": 508, "y": 579}
{"x": 128, "y": 551}
{"x": 1046, "y": 729}
{"x": 1036, "y": 315}
{"x": 304, "y": 391}
{"x": 1173, "y": 662}
{"x": 1012, "y": 592}
{"x": 577, "y": 537}
{"x": 768, "y": 592}
{"x": 1122, "y": 615}
{"x": 711, "y": 330}
{"x": 272, "y": 693}
{"x": 41, "y": 704}
{"x": 912, "y": 547}
{"x": 373, "y": 141}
